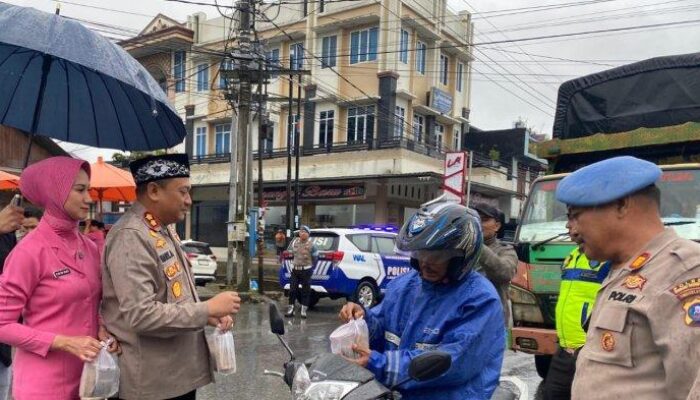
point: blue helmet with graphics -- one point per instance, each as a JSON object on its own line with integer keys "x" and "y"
{"x": 445, "y": 228}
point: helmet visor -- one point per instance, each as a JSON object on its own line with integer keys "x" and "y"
{"x": 433, "y": 257}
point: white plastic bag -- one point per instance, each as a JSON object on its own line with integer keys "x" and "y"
{"x": 100, "y": 378}
{"x": 223, "y": 349}
{"x": 354, "y": 332}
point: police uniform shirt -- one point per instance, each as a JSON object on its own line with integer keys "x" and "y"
{"x": 644, "y": 332}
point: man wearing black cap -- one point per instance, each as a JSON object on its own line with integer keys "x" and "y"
{"x": 149, "y": 299}
{"x": 498, "y": 261}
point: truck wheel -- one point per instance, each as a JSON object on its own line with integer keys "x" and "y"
{"x": 366, "y": 294}
{"x": 542, "y": 365}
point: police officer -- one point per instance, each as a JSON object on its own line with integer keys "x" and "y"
{"x": 498, "y": 261}
{"x": 149, "y": 299}
{"x": 644, "y": 331}
{"x": 580, "y": 281}
{"x": 304, "y": 252}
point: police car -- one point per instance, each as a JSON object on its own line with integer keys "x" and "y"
{"x": 355, "y": 263}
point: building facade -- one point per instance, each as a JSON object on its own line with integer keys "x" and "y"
{"x": 386, "y": 95}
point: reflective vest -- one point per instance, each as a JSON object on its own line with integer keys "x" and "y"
{"x": 580, "y": 281}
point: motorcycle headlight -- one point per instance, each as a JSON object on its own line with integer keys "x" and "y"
{"x": 300, "y": 383}
{"x": 329, "y": 390}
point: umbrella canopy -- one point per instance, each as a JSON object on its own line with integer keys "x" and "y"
{"x": 109, "y": 183}
{"x": 60, "y": 79}
{"x": 8, "y": 181}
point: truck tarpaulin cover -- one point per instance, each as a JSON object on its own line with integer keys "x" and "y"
{"x": 661, "y": 91}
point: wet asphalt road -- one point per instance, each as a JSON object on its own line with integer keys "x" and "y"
{"x": 257, "y": 349}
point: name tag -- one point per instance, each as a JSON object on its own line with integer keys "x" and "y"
{"x": 166, "y": 256}
{"x": 61, "y": 272}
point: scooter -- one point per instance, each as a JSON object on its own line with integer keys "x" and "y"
{"x": 332, "y": 377}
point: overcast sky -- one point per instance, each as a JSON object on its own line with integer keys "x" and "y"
{"x": 511, "y": 80}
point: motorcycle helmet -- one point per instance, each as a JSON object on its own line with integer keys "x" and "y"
{"x": 445, "y": 228}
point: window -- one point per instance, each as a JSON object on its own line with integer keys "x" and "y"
{"x": 321, "y": 6}
{"x": 457, "y": 140}
{"x": 330, "y": 44}
{"x": 439, "y": 133}
{"x": 294, "y": 132}
{"x": 360, "y": 124}
{"x": 200, "y": 141}
{"x": 223, "y": 138}
{"x": 399, "y": 120}
{"x": 421, "y": 51}
{"x": 443, "y": 69}
{"x": 273, "y": 56}
{"x": 202, "y": 77}
{"x": 383, "y": 245}
{"x": 325, "y": 128}
{"x": 179, "y": 71}
{"x": 268, "y": 139}
{"x": 460, "y": 72}
{"x": 296, "y": 55}
{"x": 363, "y": 45}
{"x": 226, "y": 65}
{"x": 403, "y": 55}
{"x": 360, "y": 241}
{"x": 418, "y": 123}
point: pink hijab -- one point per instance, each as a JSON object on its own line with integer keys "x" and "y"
{"x": 47, "y": 184}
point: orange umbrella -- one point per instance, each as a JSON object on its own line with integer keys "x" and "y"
{"x": 8, "y": 181}
{"x": 109, "y": 183}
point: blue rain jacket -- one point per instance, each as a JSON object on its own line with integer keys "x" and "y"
{"x": 464, "y": 319}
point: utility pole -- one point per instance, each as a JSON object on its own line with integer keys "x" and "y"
{"x": 297, "y": 133}
{"x": 290, "y": 133}
{"x": 241, "y": 173}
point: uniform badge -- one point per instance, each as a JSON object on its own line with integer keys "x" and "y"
{"x": 151, "y": 221}
{"x": 172, "y": 270}
{"x": 635, "y": 281}
{"x": 61, "y": 272}
{"x": 689, "y": 288}
{"x": 166, "y": 256}
{"x": 640, "y": 261}
{"x": 153, "y": 234}
{"x": 692, "y": 312}
{"x": 177, "y": 289}
{"x": 160, "y": 243}
{"x": 607, "y": 341}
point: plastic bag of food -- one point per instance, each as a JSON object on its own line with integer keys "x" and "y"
{"x": 354, "y": 332}
{"x": 100, "y": 378}
{"x": 223, "y": 349}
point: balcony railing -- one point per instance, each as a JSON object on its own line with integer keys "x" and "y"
{"x": 335, "y": 147}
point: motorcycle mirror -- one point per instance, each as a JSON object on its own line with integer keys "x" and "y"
{"x": 429, "y": 365}
{"x": 276, "y": 321}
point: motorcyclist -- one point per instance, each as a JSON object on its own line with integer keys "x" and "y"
{"x": 441, "y": 305}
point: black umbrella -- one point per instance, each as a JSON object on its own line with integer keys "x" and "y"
{"x": 59, "y": 79}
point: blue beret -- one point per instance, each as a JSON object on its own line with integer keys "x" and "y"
{"x": 607, "y": 181}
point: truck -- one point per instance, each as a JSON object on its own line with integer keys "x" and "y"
{"x": 650, "y": 110}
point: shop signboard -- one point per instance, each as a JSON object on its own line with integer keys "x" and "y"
{"x": 441, "y": 101}
{"x": 318, "y": 192}
{"x": 454, "y": 176}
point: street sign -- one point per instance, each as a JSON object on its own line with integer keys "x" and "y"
{"x": 454, "y": 176}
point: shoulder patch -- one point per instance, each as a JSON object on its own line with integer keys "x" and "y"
{"x": 640, "y": 261}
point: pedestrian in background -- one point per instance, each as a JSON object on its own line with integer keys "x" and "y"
{"x": 52, "y": 280}
{"x": 580, "y": 281}
{"x": 280, "y": 243}
{"x": 305, "y": 253}
{"x": 498, "y": 260}
{"x": 150, "y": 302}
{"x": 32, "y": 217}
{"x": 94, "y": 229}
{"x": 643, "y": 334}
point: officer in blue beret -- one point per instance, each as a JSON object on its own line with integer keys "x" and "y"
{"x": 644, "y": 330}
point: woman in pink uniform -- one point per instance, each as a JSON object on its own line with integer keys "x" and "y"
{"x": 52, "y": 280}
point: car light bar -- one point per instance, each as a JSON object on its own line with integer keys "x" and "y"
{"x": 378, "y": 227}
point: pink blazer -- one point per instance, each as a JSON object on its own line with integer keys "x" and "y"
{"x": 55, "y": 292}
